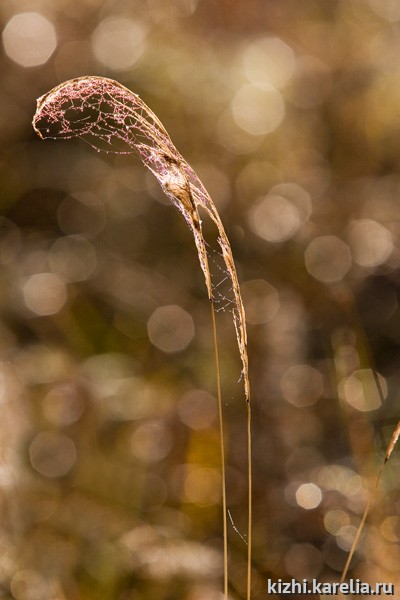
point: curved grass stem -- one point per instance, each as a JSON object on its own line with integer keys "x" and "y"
{"x": 390, "y": 448}
{"x": 111, "y": 117}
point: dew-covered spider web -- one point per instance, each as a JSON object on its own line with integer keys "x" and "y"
{"x": 111, "y": 118}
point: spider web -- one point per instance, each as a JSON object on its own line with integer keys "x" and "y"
{"x": 111, "y": 118}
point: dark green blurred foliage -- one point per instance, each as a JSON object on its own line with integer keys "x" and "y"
{"x": 109, "y": 459}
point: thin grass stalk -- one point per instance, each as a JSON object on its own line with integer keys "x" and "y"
{"x": 367, "y": 351}
{"x": 222, "y": 449}
{"x": 390, "y": 448}
{"x": 361, "y": 525}
{"x": 249, "y": 500}
{"x": 111, "y": 118}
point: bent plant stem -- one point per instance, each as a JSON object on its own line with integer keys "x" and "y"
{"x": 390, "y": 448}
{"x": 110, "y": 117}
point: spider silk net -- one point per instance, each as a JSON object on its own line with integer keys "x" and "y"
{"x": 111, "y": 118}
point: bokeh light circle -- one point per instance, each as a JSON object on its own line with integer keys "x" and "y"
{"x": 303, "y": 561}
{"x": 362, "y": 390}
{"x": 118, "y": 42}
{"x": 302, "y": 385}
{"x": 274, "y": 218}
{"x": 170, "y": 328}
{"x": 328, "y": 258}
{"x": 44, "y": 294}
{"x": 258, "y": 111}
{"x": 29, "y": 39}
{"x": 371, "y": 243}
{"x": 261, "y": 301}
{"x": 202, "y": 486}
{"x": 72, "y": 258}
{"x": 52, "y": 454}
{"x": 308, "y": 496}
{"x": 268, "y": 61}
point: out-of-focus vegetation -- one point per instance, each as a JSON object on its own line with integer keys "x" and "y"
{"x": 109, "y": 462}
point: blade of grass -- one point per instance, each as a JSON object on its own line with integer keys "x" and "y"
{"x": 389, "y": 451}
{"x": 222, "y": 448}
{"x": 250, "y": 499}
{"x": 110, "y": 117}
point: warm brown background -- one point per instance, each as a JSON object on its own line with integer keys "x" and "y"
{"x": 109, "y": 454}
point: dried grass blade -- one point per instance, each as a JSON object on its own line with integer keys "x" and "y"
{"x": 110, "y": 117}
{"x": 390, "y": 448}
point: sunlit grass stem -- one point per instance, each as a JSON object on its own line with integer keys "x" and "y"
{"x": 222, "y": 447}
{"x": 111, "y": 118}
{"x": 390, "y": 448}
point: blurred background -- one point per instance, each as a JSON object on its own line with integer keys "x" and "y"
{"x": 109, "y": 459}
